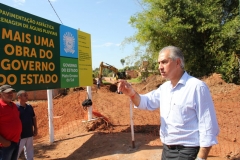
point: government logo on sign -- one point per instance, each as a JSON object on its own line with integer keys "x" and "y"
{"x": 69, "y": 42}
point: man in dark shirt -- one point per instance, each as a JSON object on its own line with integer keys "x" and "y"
{"x": 10, "y": 124}
{"x": 29, "y": 125}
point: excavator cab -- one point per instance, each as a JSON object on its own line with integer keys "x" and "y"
{"x": 117, "y": 74}
{"x": 121, "y": 75}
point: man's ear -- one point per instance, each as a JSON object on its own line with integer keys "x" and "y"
{"x": 178, "y": 62}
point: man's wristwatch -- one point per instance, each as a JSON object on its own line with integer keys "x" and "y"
{"x": 199, "y": 158}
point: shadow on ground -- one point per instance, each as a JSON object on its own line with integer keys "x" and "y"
{"x": 99, "y": 145}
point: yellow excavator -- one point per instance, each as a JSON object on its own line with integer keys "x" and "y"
{"x": 117, "y": 74}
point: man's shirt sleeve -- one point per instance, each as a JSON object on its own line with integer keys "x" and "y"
{"x": 150, "y": 101}
{"x": 208, "y": 125}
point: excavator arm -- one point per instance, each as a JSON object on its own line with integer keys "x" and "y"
{"x": 112, "y": 68}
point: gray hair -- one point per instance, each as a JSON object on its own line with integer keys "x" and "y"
{"x": 175, "y": 53}
{"x": 20, "y": 92}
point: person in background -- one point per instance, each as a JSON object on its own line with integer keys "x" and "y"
{"x": 98, "y": 83}
{"x": 10, "y": 124}
{"x": 99, "y": 80}
{"x": 189, "y": 126}
{"x": 29, "y": 125}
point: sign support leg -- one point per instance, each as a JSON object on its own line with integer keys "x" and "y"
{"x": 50, "y": 115}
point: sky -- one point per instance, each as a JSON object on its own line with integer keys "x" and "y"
{"x": 105, "y": 20}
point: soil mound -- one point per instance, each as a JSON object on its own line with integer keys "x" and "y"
{"x": 153, "y": 82}
{"x": 214, "y": 80}
{"x": 99, "y": 124}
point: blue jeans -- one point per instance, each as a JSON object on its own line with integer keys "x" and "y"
{"x": 10, "y": 152}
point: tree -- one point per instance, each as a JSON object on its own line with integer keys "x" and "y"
{"x": 95, "y": 72}
{"x": 122, "y": 61}
{"x": 206, "y": 32}
{"x": 105, "y": 72}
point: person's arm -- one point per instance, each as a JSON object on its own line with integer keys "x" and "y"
{"x": 203, "y": 152}
{"x": 127, "y": 89}
{"x": 35, "y": 129}
{"x": 208, "y": 125}
{"x": 4, "y": 142}
{"x": 135, "y": 98}
{"x": 149, "y": 101}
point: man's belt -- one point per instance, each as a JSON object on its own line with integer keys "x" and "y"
{"x": 180, "y": 147}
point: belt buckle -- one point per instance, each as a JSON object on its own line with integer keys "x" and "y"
{"x": 175, "y": 146}
{"x": 171, "y": 146}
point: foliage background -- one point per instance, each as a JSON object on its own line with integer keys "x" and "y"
{"x": 206, "y": 31}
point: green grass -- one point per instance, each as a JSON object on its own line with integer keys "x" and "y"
{"x": 106, "y": 83}
{"x": 134, "y": 80}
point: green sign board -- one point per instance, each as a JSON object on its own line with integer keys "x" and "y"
{"x": 69, "y": 72}
{"x": 37, "y": 54}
